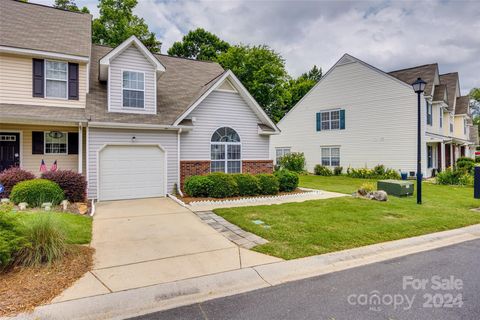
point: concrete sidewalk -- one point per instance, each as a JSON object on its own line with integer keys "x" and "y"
{"x": 123, "y": 304}
{"x": 146, "y": 242}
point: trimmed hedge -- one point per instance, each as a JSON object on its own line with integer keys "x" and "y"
{"x": 72, "y": 183}
{"x": 223, "y": 185}
{"x": 37, "y": 191}
{"x": 10, "y": 177}
{"x": 268, "y": 184}
{"x": 198, "y": 186}
{"x": 247, "y": 184}
{"x": 288, "y": 180}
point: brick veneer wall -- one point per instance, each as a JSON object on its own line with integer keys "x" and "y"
{"x": 201, "y": 167}
{"x": 257, "y": 166}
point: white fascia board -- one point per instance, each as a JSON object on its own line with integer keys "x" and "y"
{"x": 43, "y": 54}
{"x": 138, "y": 126}
{"x": 241, "y": 90}
{"x": 105, "y": 61}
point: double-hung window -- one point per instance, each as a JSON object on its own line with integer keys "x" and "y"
{"x": 330, "y": 156}
{"x": 56, "y": 142}
{"x": 226, "y": 151}
{"x": 56, "y": 79}
{"x": 429, "y": 113}
{"x": 280, "y": 152}
{"x": 464, "y": 126}
{"x": 429, "y": 156}
{"x": 133, "y": 89}
{"x": 331, "y": 120}
{"x": 441, "y": 117}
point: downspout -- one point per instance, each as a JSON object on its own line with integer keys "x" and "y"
{"x": 179, "y": 189}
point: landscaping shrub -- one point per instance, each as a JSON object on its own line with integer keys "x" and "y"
{"x": 198, "y": 186}
{"x": 465, "y": 165}
{"x": 37, "y": 191}
{"x": 11, "y": 239}
{"x": 223, "y": 185}
{"x": 294, "y": 161}
{"x": 337, "y": 171}
{"x": 268, "y": 184}
{"x": 449, "y": 176}
{"x": 12, "y": 176}
{"x": 73, "y": 184}
{"x": 391, "y": 174}
{"x": 247, "y": 184}
{"x": 320, "y": 170}
{"x": 46, "y": 241}
{"x": 378, "y": 172}
{"x": 366, "y": 188}
{"x": 466, "y": 180}
{"x": 288, "y": 180}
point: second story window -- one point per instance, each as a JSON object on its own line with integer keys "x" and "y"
{"x": 429, "y": 113}
{"x": 331, "y": 120}
{"x": 133, "y": 89}
{"x": 451, "y": 124}
{"x": 464, "y": 126}
{"x": 441, "y": 118}
{"x": 56, "y": 78}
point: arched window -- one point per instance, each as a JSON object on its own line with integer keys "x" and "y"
{"x": 226, "y": 151}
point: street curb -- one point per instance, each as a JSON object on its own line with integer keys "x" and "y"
{"x": 134, "y": 302}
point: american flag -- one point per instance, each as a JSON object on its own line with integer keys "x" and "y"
{"x": 43, "y": 167}
{"x": 54, "y": 166}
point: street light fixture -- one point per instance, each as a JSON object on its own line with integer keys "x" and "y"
{"x": 419, "y": 87}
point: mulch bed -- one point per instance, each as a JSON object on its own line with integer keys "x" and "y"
{"x": 22, "y": 289}
{"x": 188, "y": 199}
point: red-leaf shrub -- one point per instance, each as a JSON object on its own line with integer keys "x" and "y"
{"x": 12, "y": 176}
{"x": 72, "y": 183}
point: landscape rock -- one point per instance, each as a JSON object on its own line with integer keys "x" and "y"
{"x": 379, "y": 195}
{"x": 64, "y": 205}
{"x": 82, "y": 207}
{"x": 5, "y": 200}
{"x": 46, "y": 204}
{"x": 47, "y": 208}
{"x": 22, "y": 206}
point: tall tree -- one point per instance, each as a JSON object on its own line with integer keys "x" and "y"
{"x": 262, "y": 71}
{"x": 475, "y": 101}
{"x": 300, "y": 86}
{"x": 69, "y": 5}
{"x": 117, "y": 23}
{"x": 313, "y": 74}
{"x": 199, "y": 44}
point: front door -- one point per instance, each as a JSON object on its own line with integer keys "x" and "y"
{"x": 9, "y": 150}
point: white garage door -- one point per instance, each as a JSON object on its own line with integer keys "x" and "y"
{"x": 130, "y": 172}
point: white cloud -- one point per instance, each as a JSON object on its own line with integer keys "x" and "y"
{"x": 387, "y": 34}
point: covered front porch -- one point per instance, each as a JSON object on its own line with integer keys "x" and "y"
{"x": 443, "y": 152}
{"x": 26, "y": 145}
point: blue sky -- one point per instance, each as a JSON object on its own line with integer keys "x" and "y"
{"x": 387, "y": 34}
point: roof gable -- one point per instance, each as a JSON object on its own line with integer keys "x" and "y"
{"x": 428, "y": 73}
{"x": 453, "y": 88}
{"x": 462, "y": 105}
{"x": 132, "y": 41}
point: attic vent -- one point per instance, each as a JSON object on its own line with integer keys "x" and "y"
{"x": 345, "y": 60}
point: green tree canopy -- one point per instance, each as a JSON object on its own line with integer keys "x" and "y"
{"x": 300, "y": 86}
{"x": 117, "y": 23}
{"x": 199, "y": 44}
{"x": 475, "y": 101}
{"x": 69, "y": 5}
{"x": 262, "y": 71}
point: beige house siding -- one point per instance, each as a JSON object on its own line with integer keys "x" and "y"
{"x": 459, "y": 128}
{"x": 31, "y": 162}
{"x": 16, "y": 84}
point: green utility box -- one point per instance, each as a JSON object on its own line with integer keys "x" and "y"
{"x": 397, "y": 188}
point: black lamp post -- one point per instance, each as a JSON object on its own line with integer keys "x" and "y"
{"x": 419, "y": 87}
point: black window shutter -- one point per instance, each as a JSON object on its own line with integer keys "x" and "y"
{"x": 38, "y": 75}
{"x": 72, "y": 81}
{"x": 73, "y": 143}
{"x": 37, "y": 142}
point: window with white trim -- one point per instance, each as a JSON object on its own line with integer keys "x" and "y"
{"x": 225, "y": 151}
{"x": 56, "y": 79}
{"x": 280, "y": 152}
{"x": 429, "y": 113}
{"x": 331, "y": 120}
{"x": 56, "y": 142}
{"x": 133, "y": 89}
{"x": 464, "y": 126}
{"x": 441, "y": 117}
{"x": 330, "y": 156}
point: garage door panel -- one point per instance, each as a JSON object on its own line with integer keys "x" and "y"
{"x": 129, "y": 172}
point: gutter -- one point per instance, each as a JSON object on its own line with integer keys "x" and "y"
{"x": 179, "y": 189}
{"x": 138, "y": 126}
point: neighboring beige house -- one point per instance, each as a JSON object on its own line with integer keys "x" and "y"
{"x": 136, "y": 124}
{"x": 359, "y": 116}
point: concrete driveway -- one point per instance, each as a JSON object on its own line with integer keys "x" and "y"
{"x": 151, "y": 241}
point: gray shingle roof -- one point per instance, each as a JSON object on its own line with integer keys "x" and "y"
{"x": 183, "y": 82}
{"x": 44, "y": 113}
{"x": 462, "y": 104}
{"x": 32, "y": 26}
{"x": 451, "y": 81}
{"x": 426, "y": 72}
{"x": 439, "y": 93}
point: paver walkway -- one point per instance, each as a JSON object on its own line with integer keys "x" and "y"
{"x": 144, "y": 242}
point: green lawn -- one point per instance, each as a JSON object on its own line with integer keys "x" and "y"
{"x": 321, "y": 226}
{"x": 78, "y": 229}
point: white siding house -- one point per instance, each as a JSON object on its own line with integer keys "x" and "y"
{"x": 379, "y": 120}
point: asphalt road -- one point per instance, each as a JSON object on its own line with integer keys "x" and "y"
{"x": 439, "y": 284}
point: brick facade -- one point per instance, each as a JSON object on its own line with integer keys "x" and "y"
{"x": 257, "y": 166}
{"x": 201, "y": 167}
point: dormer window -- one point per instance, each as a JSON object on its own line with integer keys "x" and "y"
{"x": 133, "y": 89}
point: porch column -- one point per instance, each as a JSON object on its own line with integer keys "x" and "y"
{"x": 80, "y": 148}
{"x": 442, "y": 156}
